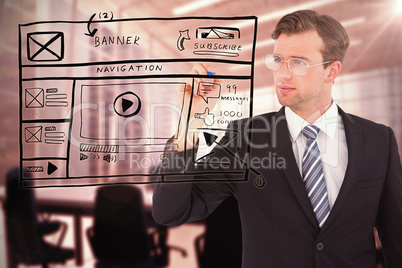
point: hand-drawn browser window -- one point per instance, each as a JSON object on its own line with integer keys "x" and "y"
{"x": 99, "y": 99}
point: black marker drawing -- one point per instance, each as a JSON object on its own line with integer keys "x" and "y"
{"x": 93, "y": 32}
{"x": 230, "y": 87}
{"x": 83, "y": 156}
{"x": 218, "y": 33}
{"x": 33, "y": 134}
{"x": 109, "y": 158}
{"x": 206, "y": 116}
{"x": 54, "y": 137}
{"x": 105, "y": 15}
{"x": 92, "y": 121}
{"x": 259, "y": 182}
{"x": 55, "y": 99}
{"x": 210, "y": 135}
{"x": 127, "y": 104}
{"x": 34, "y": 169}
{"x": 51, "y": 128}
{"x": 125, "y": 100}
{"x": 180, "y": 41}
{"x": 99, "y": 148}
{"x": 56, "y": 96}
{"x": 51, "y": 168}
{"x": 34, "y": 98}
{"x": 212, "y": 139}
{"x": 218, "y": 41}
{"x": 45, "y": 46}
{"x": 52, "y": 90}
{"x": 216, "y": 53}
{"x": 206, "y": 90}
{"x": 56, "y": 103}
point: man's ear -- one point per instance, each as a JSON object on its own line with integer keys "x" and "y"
{"x": 333, "y": 70}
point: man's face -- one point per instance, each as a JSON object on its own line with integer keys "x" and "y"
{"x": 304, "y": 94}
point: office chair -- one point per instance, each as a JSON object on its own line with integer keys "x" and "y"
{"x": 25, "y": 233}
{"x": 221, "y": 244}
{"x": 119, "y": 236}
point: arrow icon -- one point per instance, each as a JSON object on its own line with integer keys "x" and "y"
{"x": 180, "y": 41}
{"x": 51, "y": 168}
{"x": 211, "y": 139}
{"x": 91, "y": 33}
{"x": 126, "y": 104}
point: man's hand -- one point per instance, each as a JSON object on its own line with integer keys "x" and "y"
{"x": 197, "y": 100}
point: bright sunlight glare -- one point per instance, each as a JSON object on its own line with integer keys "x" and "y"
{"x": 399, "y": 5}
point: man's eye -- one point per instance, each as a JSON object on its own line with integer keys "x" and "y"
{"x": 300, "y": 62}
{"x": 277, "y": 59}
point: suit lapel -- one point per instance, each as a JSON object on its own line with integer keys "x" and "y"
{"x": 292, "y": 174}
{"x": 354, "y": 144}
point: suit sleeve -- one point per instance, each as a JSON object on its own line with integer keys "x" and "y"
{"x": 178, "y": 203}
{"x": 389, "y": 221}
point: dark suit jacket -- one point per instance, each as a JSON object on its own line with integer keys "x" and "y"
{"x": 278, "y": 223}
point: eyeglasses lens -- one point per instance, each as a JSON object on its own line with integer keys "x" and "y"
{"x": 273, "y": 62}
{"x": 296, "y": 66}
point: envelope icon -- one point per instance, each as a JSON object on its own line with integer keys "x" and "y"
{"x": 34, "y": 97}
{"x": 33, "y": 134}
{"x": 45, "y": 46}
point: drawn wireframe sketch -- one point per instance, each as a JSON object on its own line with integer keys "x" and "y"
{"x": 184, "y": 35}
{"x": 33, "y": 134}
{"x": 45, "y": 46}
{"x": 218, "y": 33}
{"x": 206, "y": 116}
{"x": 205, "y": 90}
{"x": 34, "y": 97}
{"x": 100, "y": 99}
{"x": 127, "y": 104}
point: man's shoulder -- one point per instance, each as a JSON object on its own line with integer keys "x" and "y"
{"x": 366, "y": 125}
{"x": 364, "y": 122}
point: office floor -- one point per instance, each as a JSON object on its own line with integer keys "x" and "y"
{"x": 182, "y": 236}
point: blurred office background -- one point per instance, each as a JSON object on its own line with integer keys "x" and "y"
{"x": 370, "y": 84}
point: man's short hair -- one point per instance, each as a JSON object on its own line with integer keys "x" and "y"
{"x": 335, "y": 38}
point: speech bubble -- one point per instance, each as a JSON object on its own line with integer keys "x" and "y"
{"x": 206, "y": 90}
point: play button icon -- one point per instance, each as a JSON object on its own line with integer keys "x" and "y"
{"x": 127, "y": 104}
{"x": 51, "y": 168}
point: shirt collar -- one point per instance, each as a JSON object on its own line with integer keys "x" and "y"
{"x": 328, "y": 122}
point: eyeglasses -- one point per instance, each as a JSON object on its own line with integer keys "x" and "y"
{"x": 295, "y": 65}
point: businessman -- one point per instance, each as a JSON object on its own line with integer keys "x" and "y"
{"x": 341, "y": 177}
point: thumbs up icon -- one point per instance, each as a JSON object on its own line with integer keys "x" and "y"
{"x": 208, "y": 117}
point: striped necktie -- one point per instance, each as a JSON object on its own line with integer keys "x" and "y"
{"x": 313, "y": 175}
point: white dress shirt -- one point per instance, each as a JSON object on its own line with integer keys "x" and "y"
{"x": 331, "y": 143}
